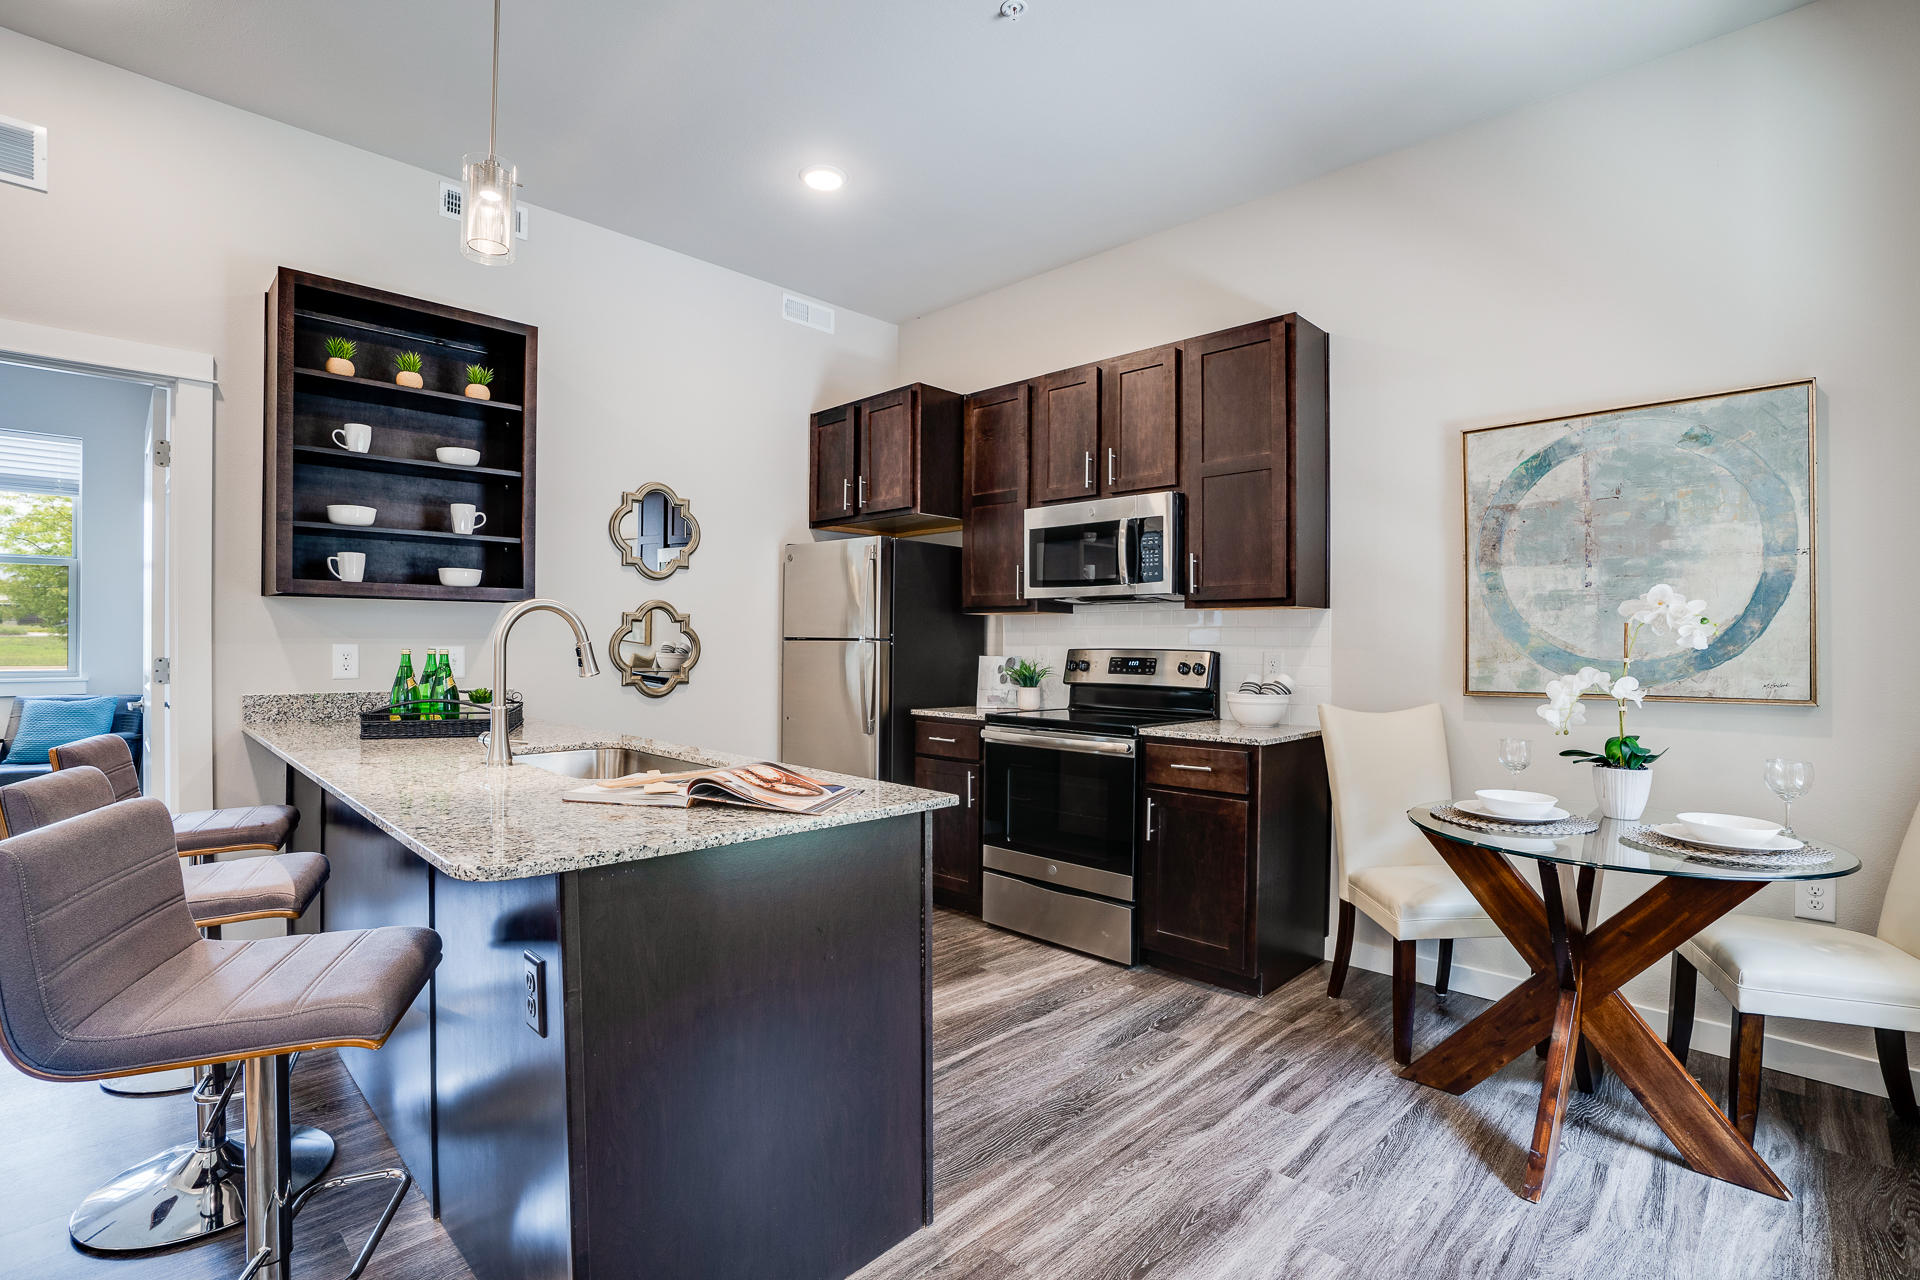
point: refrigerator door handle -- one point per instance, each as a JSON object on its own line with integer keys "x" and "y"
{"x": 873, "y": 584}
{"x": 873, "y": 684}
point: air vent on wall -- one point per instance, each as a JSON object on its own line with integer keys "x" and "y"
{"x": 451, "y": 196}
{"x": 810, "y": 314}
{"x": 23, "y": 153}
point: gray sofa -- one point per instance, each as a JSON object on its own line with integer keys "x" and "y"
{"x": 129, "y": 721}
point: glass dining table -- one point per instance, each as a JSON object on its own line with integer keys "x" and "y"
{"x": 1572, "y": 1001}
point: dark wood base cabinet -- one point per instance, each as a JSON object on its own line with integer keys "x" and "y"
{"x": 948, "y": 759}
{"x": 1233, "y": 870}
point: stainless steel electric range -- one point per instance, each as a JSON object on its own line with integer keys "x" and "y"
{"x": 1062, "y": 790}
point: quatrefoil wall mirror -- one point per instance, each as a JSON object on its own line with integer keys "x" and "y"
{"x": 655, "y": 530}
{"x": 655, "y": 648}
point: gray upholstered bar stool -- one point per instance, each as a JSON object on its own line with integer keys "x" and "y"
{"x": 102, "y": 973}
{"x": 133, "y": 1211}
{"x": 199, "y": 833}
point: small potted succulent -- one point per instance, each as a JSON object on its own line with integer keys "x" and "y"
{"x": 479, "y": 382}
{"x": 406, "y": 370}
{"x": 1026, "y": 679}
{"x": 340, "y": 356}
{"x": 1622, "y": 775}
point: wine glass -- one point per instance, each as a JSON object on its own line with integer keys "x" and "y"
{"x": 1515, "y": 754}
{"x": 1788, "y": 779}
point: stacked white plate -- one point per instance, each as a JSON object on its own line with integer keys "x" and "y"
{"x": 1729, "y": 833}
{"x": 1526, "y": 807}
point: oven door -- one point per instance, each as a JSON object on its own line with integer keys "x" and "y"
{"x": 1059, "y": 809}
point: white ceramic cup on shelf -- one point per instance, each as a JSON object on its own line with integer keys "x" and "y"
{"x": 467, "y": 518}
{"x": 459, "y": 577}
{"x": 355, "y": 437}
{"x": 348, "y": 566}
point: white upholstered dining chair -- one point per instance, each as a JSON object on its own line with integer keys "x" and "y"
{"x": 1380, "y": 764}
{"x": 1803, "y": 969}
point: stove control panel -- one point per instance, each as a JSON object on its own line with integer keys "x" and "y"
{"x": 1163, "y": 668}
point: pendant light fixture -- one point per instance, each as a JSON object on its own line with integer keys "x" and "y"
{"x": 486, "y": 210}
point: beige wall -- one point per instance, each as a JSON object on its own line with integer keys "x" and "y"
{"x": 167, "y": 216}
{"x": 1738, "y": 213}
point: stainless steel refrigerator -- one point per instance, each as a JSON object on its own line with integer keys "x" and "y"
{"x": 871, "y": 628}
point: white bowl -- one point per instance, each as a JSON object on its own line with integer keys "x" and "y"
{"x": 459, "y": 457}
{"x": 459, "y": 577}
{"x": 1518, "y": 804}
{"x": 1730, "y": 829}
{"x": 1258, "y": 710}
{"x": 346, "y": 513}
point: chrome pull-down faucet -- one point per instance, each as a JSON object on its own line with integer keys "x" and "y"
{"x": 499, "y": 750}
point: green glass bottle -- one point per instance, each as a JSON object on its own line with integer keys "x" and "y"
{"x": 437, "y": 687}
{"x": 450, "y": 688}
{"x": 418, "y": 708}
{"x": 401, "y": 695}
{"x": 429, "y": 708}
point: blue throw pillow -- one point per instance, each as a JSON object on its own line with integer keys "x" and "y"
{"x": 47, "y": 722}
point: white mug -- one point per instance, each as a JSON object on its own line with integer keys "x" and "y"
{"x": 467, "y": 518}
{"x": 348, "y": 566}
{"x": 356, "y": 437}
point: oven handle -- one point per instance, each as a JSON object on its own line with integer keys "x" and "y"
{"x": 1079, "y": 743}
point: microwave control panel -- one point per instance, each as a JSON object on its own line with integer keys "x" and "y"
{"x": 1153, "y": 566}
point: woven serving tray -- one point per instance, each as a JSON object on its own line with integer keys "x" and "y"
{"x": 1645, "y": 837}
{"x": 1549, "y": 830}
{"x": 470, "y": 723}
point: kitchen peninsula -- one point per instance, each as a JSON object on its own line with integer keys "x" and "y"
{"x": 661, "y": 1041}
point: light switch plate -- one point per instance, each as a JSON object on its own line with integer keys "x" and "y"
{"x": 457, "y": 657}
{"x": 1814, "y": 900}
{"x": 346, "y": 662}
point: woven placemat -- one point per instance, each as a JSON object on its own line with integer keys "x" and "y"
{"x": 1551, "y": 830}
{"x": 1644, "y": 837}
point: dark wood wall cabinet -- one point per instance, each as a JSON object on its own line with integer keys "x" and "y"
{"x": 947, "y": 758}
{"x": 993, "y": 499}
{"x": 411, "y": 490}
{"x": 1107, "y": 428}
{"x": 887, "y": 464}
{"x": 1233, "y": 874}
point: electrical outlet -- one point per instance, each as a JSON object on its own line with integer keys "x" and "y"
{"x": 457, "y": 657}
{"x": 534, "y": 992}
{"x": 346, "y": 662}
{"x": 1273, "y": 664}
{"x": 1813, "y": 900}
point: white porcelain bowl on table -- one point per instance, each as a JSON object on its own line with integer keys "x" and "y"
{"x": 347, "y": 513}
{"x": 1531, "y": 805}
{"x": 1258, "y": 710}
{"x": 459, "y": 577}
{"x": 459, "y": 457}
{"x": 1730, "y": 829}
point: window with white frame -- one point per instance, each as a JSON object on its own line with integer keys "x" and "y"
{"x": 39, "y": 555}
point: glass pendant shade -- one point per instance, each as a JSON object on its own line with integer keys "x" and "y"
{"x": 486, "y": 210}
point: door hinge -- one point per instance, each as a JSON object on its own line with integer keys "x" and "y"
{"x": 163, "y": 670}
{"x": 163, "y": 453}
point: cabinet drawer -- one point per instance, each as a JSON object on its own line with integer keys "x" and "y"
{"x": 954, "y": 739}
{"x": 1197, "y": 768}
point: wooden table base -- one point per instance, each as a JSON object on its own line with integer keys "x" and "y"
{"x": 1573, "y": 1001}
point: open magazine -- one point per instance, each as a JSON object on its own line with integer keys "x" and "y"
{"x": 754, "y": 786}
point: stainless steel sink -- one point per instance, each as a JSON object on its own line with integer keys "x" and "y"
{"x": 602, "y": 762}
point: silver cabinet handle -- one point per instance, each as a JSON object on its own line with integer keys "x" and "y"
{"x": 863, "y": 493}
{"x": 846, "y": 489}
{"x": 1089, "y": 470}
{"x": 1193, "y": 768}
{"x": 931, "y": 738}
{"x": 1149, "y": 819}
{"x": 969, "y": 788}
{"x": 1109, "y": 466}
{"x": 1193, "y": 571}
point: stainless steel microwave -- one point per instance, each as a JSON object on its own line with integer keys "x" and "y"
{"x": 1108, "y": 550}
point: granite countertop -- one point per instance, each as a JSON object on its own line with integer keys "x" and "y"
{"x": 1231, "y": 732}
{"x": 951, "y": 713}
{"x": 439, "y": 798}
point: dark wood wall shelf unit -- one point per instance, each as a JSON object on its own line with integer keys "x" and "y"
{"x": 306, "y": 471}
{"x": 887, "y": 464}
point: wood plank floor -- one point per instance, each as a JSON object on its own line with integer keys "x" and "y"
{"x": 1097, "y": 1122}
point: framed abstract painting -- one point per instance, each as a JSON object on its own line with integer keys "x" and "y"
{"x": 1714, "y": 494}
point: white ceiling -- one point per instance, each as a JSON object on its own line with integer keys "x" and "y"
{"x": 979, "y": 151}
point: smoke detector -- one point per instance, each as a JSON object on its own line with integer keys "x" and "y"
{"x": 1012, "y": 9}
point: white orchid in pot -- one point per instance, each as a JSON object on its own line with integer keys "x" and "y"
{"x": 1622, "y": 778}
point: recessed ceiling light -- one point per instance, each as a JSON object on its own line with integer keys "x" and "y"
{"x": 823, "y": 177}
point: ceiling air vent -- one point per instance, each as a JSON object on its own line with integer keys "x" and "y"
{"x": 810, "y": 314}
{"x": 451, "y": 196}
{"x": 23, "y": 153}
